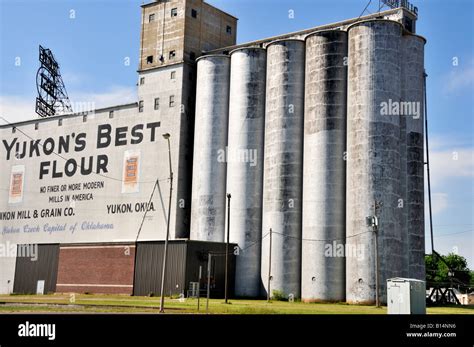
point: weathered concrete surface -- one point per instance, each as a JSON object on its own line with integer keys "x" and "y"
{"x": 283, "y": 168}
{"x": 210, "y": 141}
{"x": 373, "y": 165}
{"x": 412, "y": 91}
{"x": 324, "y": 177}
{"x": 245, "y": 164}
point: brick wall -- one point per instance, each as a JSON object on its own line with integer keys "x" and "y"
{"x": 96, "y": 269}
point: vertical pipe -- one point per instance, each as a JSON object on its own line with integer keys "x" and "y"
{"x": 324, "y": 178}
{"x": 269, "y": 295}
{"x": 283, "y": 166}
{"x": 227, "y": 249}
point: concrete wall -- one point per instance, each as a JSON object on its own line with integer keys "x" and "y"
{"x": 187, "y": 36}
{"x": 163, "y": 34}
{"x": 283, "y": 167}
{"x": 324, "y": 178}
{"x": 373, "y": 166}
{"x": 209, "y": 30}
{"x": 210, "y": 142}
{"x": 7, "y": 273}
{"x": 245, "y": 163}
{"x": 412, "y": 84}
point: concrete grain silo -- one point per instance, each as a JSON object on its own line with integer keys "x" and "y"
{"x": 324, "y": 177}
{"x": 210, "y": 141}
{"x": 283, "y": 166}
{"x": 412, "y": 97}
{"x": 373, "y": 165}
{"x": 245, "y": 164}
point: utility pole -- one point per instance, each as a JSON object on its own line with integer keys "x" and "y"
{"x": 227, "y": 248}
{"x": 209, "y": 262}
{"x": 269, "y": 268}
{"x": 165, "y": 253}
{"x": 427, "y": 163}
{"x": 199, "y": 284}
{"x": 375, "y": 228}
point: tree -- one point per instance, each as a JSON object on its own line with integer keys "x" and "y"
{"x": 437, "y": 270}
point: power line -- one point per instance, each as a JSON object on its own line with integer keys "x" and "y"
{"x": 243, "y": 249}
{"x": 459, "y": 232}
{"x": 321, "y": 240}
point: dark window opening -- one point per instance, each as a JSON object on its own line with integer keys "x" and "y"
{"x": 228, "y": 29}
{"x": 140, "y": 106}
{"x": 60, "y": 122}
{"x": 194, "y": 13}
{"x": 172, "y": 54}
{"x": 151, "y": 18}
{"x": 171, "y": 100}
{"x": 142, "y": 81}
{"x": 174, "y": 12}
{"x": 157, "y": 103}
{"x": 111, "y": 114}
{"x": 409, "y": 24}
{"x": 149, "y": 59}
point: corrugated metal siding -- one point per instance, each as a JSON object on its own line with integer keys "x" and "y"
{"x": 148, "y": 268}
{"x": 28, "y": 272}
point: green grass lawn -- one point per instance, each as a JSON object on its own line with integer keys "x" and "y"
{"x": 62, "y": 303}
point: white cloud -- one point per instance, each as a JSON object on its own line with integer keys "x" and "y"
{"x": 439, "y": 202}
{"x": 460, "y": 77}
{"x": 115, "y": 96}
{"x": 17, "y": 108}
{"x": 451, "y": 164}
{"x": 21, "y": 108}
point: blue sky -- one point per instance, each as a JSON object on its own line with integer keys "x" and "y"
{"x": 93, "y": 40}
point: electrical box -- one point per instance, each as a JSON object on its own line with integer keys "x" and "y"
{"x": 406, "y": 296}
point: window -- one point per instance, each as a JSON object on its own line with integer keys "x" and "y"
{"x": 60, "y": 122}
{"x": 171, "y": 100}
{"x": 157, "y": 103}
{"x": 84, "y": 118}
{"x": 111, "y": 114}
{"x": 192, "y": 56}
{"x": 172, "y": 54}
{"x": 13, "y": 130}
{"x": 140, "y": 106}
{"x": 149, "y": 59}
{"x": 174, "y": 12}
{"x": 228, "y": 29}
{"x": 36, "y": 126}
{"x": 173, "y": 75}
{"x": 142, "y": 81}
{"x": 194, "y": 13}
{"x": 151, "y": 18}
